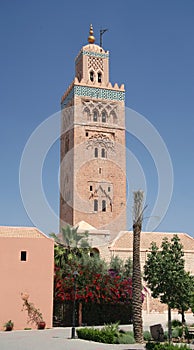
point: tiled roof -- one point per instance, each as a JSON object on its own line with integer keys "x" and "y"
{"x": 124, "y": 240}
{"x": 21, "y": 232}
{"x": 83, "y": 225}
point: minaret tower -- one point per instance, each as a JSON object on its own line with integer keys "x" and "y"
{"x": 93, "y": 158}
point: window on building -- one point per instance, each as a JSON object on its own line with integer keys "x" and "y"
{"x": 103, "y": 153}
{"x": 108, "y": 188}
{"x": 104, "y": 117}
{"x": 96, "y": 152}
{"x": 86, "y": 133}
{"x": 94, "y": 252}
{"x": 103, "y": 205}
{"x": 95, "y": 116}
{"x": 90, "y": 188}
{"x": 91, "y": 76}
{"x": 23, "y": 255}
{"x": 100, "y": 170}
{"x": 86, "y": 114}
{"x": 95, "y": 205}
{"x": 99, "y": 77}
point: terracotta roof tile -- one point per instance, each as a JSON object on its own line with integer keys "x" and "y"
{"x": 124, "y": 240}
{"x": 21, "y": 232}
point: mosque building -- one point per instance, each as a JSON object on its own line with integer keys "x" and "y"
{"x": 92, "y": 193}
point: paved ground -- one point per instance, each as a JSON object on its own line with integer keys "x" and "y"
{"x": 52, "y": 339}
{"x": 59, "y": 338}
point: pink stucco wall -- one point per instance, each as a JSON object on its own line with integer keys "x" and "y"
{"x": 33, "y": 276}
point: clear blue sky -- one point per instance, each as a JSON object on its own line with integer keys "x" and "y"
{"x": 151, "y": 46}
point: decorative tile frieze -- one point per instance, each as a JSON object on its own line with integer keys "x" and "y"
{"x": 91, "y": 53}
{"x": 96, "y": 54}
{"x": 94, "y": 92}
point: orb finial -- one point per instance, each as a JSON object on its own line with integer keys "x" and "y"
{"x": 91, "y": 38}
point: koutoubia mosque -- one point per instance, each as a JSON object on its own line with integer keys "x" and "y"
{"x": 92, "y": 193}
{"x": 93, "y": 159}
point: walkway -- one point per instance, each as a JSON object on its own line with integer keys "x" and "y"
{"x": 53, "y": 339}
{"x": 59, "y": 338}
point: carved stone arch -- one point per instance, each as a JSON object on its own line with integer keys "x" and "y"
{"x": 104, "y": 115}
{"x": 86, "y": 113}
{"x": 113, "y": 117}
{"x": 95, "y": 115}
{"x": 92, "y": 75}
{"x": 99, "y": 76}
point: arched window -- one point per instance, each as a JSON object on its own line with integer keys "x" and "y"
{"x": 99, "y": 77}
{"x": 95, "y": 205}
{"x": 94, "y": 252}
{"x": 103, "y": 205}
{"x": 86, "y": 113}
{"x": 103, "y": 153}
{"x": 113, "y": 117}
{"x": 95, "y": 116}
{"x": 96, "y": 152}
{"x": 91, "y": 76}
{"x": 103, "y": 116}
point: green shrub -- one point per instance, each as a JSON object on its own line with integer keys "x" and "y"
{"x": 104, "y": 335}
{"x": 187, "y": 335}
{"x": 165, "y": 346}
{"x": 113, "y": 328}
{"x": 177, "y": 332}
{"x": 147, "y": 335}
{"x": 150, "y": 345}
{"x": 109, "y": 334}
{"x": 176, "y": 323}
{"x": 125, "y": 338}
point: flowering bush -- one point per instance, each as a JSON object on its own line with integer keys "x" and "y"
{"x": 99, "y": 288}
{"x": 95, "y": 282}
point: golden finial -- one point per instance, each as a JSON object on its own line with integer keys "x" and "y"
{"x": 91, "y": 38}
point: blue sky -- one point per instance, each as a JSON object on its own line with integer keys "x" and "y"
{"x": 151, "y": 51}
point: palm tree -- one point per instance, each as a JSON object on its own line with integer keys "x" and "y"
{"x": 70, "y": 244}
{"x": 136, "y": 277}
{"x": 72, "y": 239}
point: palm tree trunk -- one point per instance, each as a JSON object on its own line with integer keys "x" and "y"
{"x": 136, "y": 278}
{"x": 137, "y": 286}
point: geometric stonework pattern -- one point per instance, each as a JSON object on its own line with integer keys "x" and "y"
{"x": 95, "y": 63}
{"x": 100, "y": 140}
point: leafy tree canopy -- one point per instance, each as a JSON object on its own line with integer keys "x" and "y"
{"x": 165, "y": 274}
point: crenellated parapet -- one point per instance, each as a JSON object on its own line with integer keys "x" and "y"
{"x": 109, "y": 92}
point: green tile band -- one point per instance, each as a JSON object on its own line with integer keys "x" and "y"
{"x": 96, "y": 54}
{"x": 94, "y": 92}
{"x": 92, "y": 54}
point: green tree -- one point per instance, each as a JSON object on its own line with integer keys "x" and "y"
{"x": 184, "y": 294}
{"x": 192, "y": 301}
{"x": 117, "y": 265}
{"x": 121, "y": 267}
{"x": 72, "y": 239}
{"x": 136, "y": 277}
{"x": 71, "y": 243}
{"x": 165, "y": 275}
